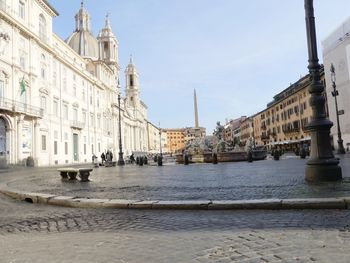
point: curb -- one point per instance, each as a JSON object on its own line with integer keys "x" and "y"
{"x": 261, "y": 204}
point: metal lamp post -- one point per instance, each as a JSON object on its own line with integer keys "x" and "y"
{"x": 160, "y": 157}
{"x": 121, "y": 159}
{"x": 322, "y": 166}
{"x": 335, "y": 93}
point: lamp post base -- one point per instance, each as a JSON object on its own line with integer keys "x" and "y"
{"x": 323, "y": 173}
{"x": 341, "y": 149}
{"x": 121, "y": 159}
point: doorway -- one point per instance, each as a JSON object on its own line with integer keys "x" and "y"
{"x": 75, "y": 147}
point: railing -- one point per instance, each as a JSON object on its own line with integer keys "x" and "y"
{"x": 291, "y": 130}
{"x": 16, "y": 106}
{"x": 77, "y": 125}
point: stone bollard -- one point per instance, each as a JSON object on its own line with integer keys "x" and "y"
{"x": 276, "y": 155}
{"x": 215, "y": 158}
{"x": 250, "y": 156}
{"x": 186, "y": 160}
{"x": 160, "y": 160}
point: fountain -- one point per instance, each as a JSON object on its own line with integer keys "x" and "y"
{"x": 215, "y": 148}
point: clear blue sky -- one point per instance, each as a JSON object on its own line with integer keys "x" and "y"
{"x": 236, "y": 54}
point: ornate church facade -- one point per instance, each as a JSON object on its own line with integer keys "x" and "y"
{"x": 58, "y": 99}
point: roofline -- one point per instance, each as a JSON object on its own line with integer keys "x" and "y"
{"x": 51, "y": 7}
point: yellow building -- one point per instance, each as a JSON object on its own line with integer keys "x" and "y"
{"x": 247, "y": 130}
{"x": 283, "y": 123}
{"x": 175, "y": 140}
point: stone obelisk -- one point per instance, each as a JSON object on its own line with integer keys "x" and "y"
{"x": 196, "y": 124}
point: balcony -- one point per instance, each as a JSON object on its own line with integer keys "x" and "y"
{"x": 291, "y": 130}
{"x": 264, "y": 137}
{"x": 19, "y": 107}
{"x": 77, "y": 125}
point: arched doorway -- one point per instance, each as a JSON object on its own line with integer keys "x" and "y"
{"x": 3, "y": 150}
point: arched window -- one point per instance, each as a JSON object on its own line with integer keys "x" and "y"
{"x": 43, "y": 66}
{"x": 42, "y": 27}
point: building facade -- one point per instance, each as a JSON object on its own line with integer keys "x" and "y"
{"x": 246, "y": 130}
{"x": 58, "y": 99}
{"x": 191, "y": 133}
{"x": 232, "y": 130}
{"x": 283, "y": 123}
{"x": 157, "y": 139}
{"x": 336, "y": 50}
{"x": 175, "y": 140}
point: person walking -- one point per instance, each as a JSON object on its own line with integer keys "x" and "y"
{"x": 103, "y": 158}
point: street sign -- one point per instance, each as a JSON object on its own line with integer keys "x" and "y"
{"x": 340, "y": 112}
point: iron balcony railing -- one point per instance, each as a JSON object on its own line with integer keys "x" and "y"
{"x": 16, "y": 106}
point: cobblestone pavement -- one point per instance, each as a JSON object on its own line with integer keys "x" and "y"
{"x": 39, "y": 233}
{"x": 225, "y": 181}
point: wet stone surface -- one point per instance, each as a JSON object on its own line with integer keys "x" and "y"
{"x": 225, "y": 181}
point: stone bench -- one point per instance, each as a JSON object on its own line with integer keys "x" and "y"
{"x": 84, "y": 173}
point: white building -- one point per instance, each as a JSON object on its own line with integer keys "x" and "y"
{"x": 336, "y": 50}
{"x": 156, "y": 139}
{"x": 58, "y": 100}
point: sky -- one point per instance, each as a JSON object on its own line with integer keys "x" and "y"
{"x": 236, "y": 54}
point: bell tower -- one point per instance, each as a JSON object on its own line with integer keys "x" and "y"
{"x": 132, "y": 84}
{"x": 108, "y": 45}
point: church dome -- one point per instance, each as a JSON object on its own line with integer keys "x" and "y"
{"x": 84, "y": 43}
{"x": 82, "y": 40}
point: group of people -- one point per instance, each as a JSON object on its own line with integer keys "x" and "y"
{"x": 140, "y": 160}
{"x": 108, "y": 157}
{"x": 105, "y": 157}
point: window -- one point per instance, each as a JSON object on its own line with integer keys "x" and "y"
{"x": 55, "y": 108}
{"x": 131, "y": 80}
{"x": 43, "y": 142}
{"x": 43, "y": 103}
{"x": 66, "y": 148}
{"x": 22, "y": 62}
{"x": 55, "y": 149}
{"x": 2, "y": 89}
{"x": 74, "y": 90}
{"x": 21, "y": 10}
{"x": 54, "y": 79}
{"x": 75, "y": 114}
{"x": 65, "y": 111}
{"x": 84, "y": 144}
{"x": 84, "y": 116}
{"x": 43, "y": 66}
{"x": 91, "y": 120}
{"x": 42, "y": 27}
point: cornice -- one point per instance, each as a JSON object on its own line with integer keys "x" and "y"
{"x": 46, "y": 5}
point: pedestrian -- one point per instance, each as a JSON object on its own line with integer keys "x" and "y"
{"x": 132, "y": 158}
{"x": 103, "y": 158}
{"x": 107, "y": 156}
{"x": 93, "y": 158}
